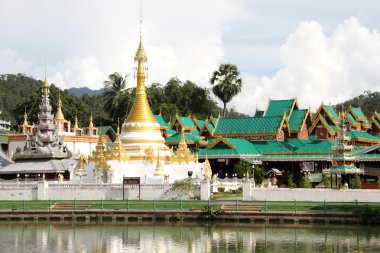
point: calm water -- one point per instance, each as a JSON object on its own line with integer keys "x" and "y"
{"x": 187, "y": 237}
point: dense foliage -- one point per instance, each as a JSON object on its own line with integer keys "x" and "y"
{"x": 19, "y": 93}
{"x": 368, "y": 101}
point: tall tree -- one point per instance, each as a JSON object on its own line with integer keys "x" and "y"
{"x": 226, "y": 83}
{"x": 114, "y": 94}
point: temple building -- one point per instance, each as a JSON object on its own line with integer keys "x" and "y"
{"x": 44, "y": 154}
{"x": 139, "y": 149}
{"x": 77, "y": 140}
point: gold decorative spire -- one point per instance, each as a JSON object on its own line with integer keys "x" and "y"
{"x": 91, "y": 125}
{"x": 158, "y": 171}
{"x": 207, "y": 172}
{"x": 76, "y": 122}
{"x": 141, "y": 111}
{"x": 59, "y": 115}
{"x": 25, "y": 118}
{"x": 45, "y": 87}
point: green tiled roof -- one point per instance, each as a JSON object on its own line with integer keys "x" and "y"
{"x": 344, "y": 169}
{"x": 200, "y": 123}
{"x": 161, "y": 121}
{"x": 352, "y": 119}
{"x": 318, "y": 146}
{"x": 362, "y": 135}
{"x": 298, "y": 142}
{"x": 279, "y": 107}
{"x": 195, "y": 132}
{"x": 358, "y": 113}
{"x": 186, "y": 121}
{"x": 210, "y": 126}
{"x": 175, "y": 138}
{"x": 170, "y": 132}
{"x": 103, "y": 129}
{"x": 241, "y": 147}
{"x": 259, "y": 114}
{"x": 331, "y": 111}
{"x": 273, "y": 147}
{"x": 324, "y": 122}
{"x": 296, "y": 119}
{"x": 246, "y": 125}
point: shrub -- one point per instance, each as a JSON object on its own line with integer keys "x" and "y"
{"x": 184, "y": 186}
{"x": 326, "y": 182}
{"x": 357, "y": 184}
{"x": 290, "y": 181}
{"x": 305, "y": 182}
{"x": 368, "y": 215}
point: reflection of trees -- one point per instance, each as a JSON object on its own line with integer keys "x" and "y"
{"x": 187, "y": 237}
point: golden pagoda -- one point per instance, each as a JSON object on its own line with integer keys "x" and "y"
{"x": 141, "y": 135}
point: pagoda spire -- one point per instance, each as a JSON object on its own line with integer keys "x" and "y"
{"x": 141, "y": 111}
{"x": 25, "y": 118}
{"x": 59, "y": 115}
{"x": 91, "y": 124}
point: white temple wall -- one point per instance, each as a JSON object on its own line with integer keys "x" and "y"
{"x": 69, "y": 191}
{"x": 18, "y": 191}
{"x": 318, "y": 195}
{"x": 84, "y": 148}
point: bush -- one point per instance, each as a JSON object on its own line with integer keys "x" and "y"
{"x": 357, "y": 184}
{"x": 243, "y": 168}
{"x": 326, "y": 182}
{"x": 184, "y": 186}
{"x": 290, "y": 181}
{"x": 305, "y": 182}
{"x": 259, "y": 174}
{"x": 368, "y": 215}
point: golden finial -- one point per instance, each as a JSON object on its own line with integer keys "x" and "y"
{"x": 91, "y": 125}
{"x": 141, "y": 111}
{"x": 76, "y": 122}
{"x": 25, "y": 118}
{"x": 59, "y": 115}
{"x": 160, "y": 114}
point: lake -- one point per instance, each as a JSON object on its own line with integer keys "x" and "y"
{"x": 187, "y": 237}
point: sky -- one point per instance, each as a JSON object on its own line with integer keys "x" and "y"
{"x": 317, "y": 51}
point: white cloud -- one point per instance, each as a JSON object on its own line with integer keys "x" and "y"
{"x": 318, "y": 67}
{"x": 12, "y": 62}
{"x": 84, "y": 41}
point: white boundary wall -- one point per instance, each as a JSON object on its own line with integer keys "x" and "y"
{"x": 320, "y": 195}
{"x": 69, "y": 191}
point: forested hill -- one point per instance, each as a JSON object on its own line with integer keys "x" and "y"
{"x": 368, "y": 101}
{"x": 84, "y": 90}
{"x": 19, "y": 93}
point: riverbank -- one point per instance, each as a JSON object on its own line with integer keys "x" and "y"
{"x": 124, "y": 216}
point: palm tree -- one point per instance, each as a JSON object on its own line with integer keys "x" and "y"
{"x": 114, "y": 94}
{"x": 226, "y": 83}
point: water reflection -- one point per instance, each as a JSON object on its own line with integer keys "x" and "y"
{"x": 187, "y": 237}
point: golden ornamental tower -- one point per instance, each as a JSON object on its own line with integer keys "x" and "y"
{"x": 141, "y": 133}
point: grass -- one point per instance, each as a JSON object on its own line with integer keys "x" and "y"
{"x": 157, "y": 205}
{"x": 226, "y": 195}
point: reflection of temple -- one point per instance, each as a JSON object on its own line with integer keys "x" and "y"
{"x": 140, "y": 149}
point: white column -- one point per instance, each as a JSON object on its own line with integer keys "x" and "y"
{"x": 205, "y": 189}
{"x": 247, "y": 189}
{"x": 41, "y": 189}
